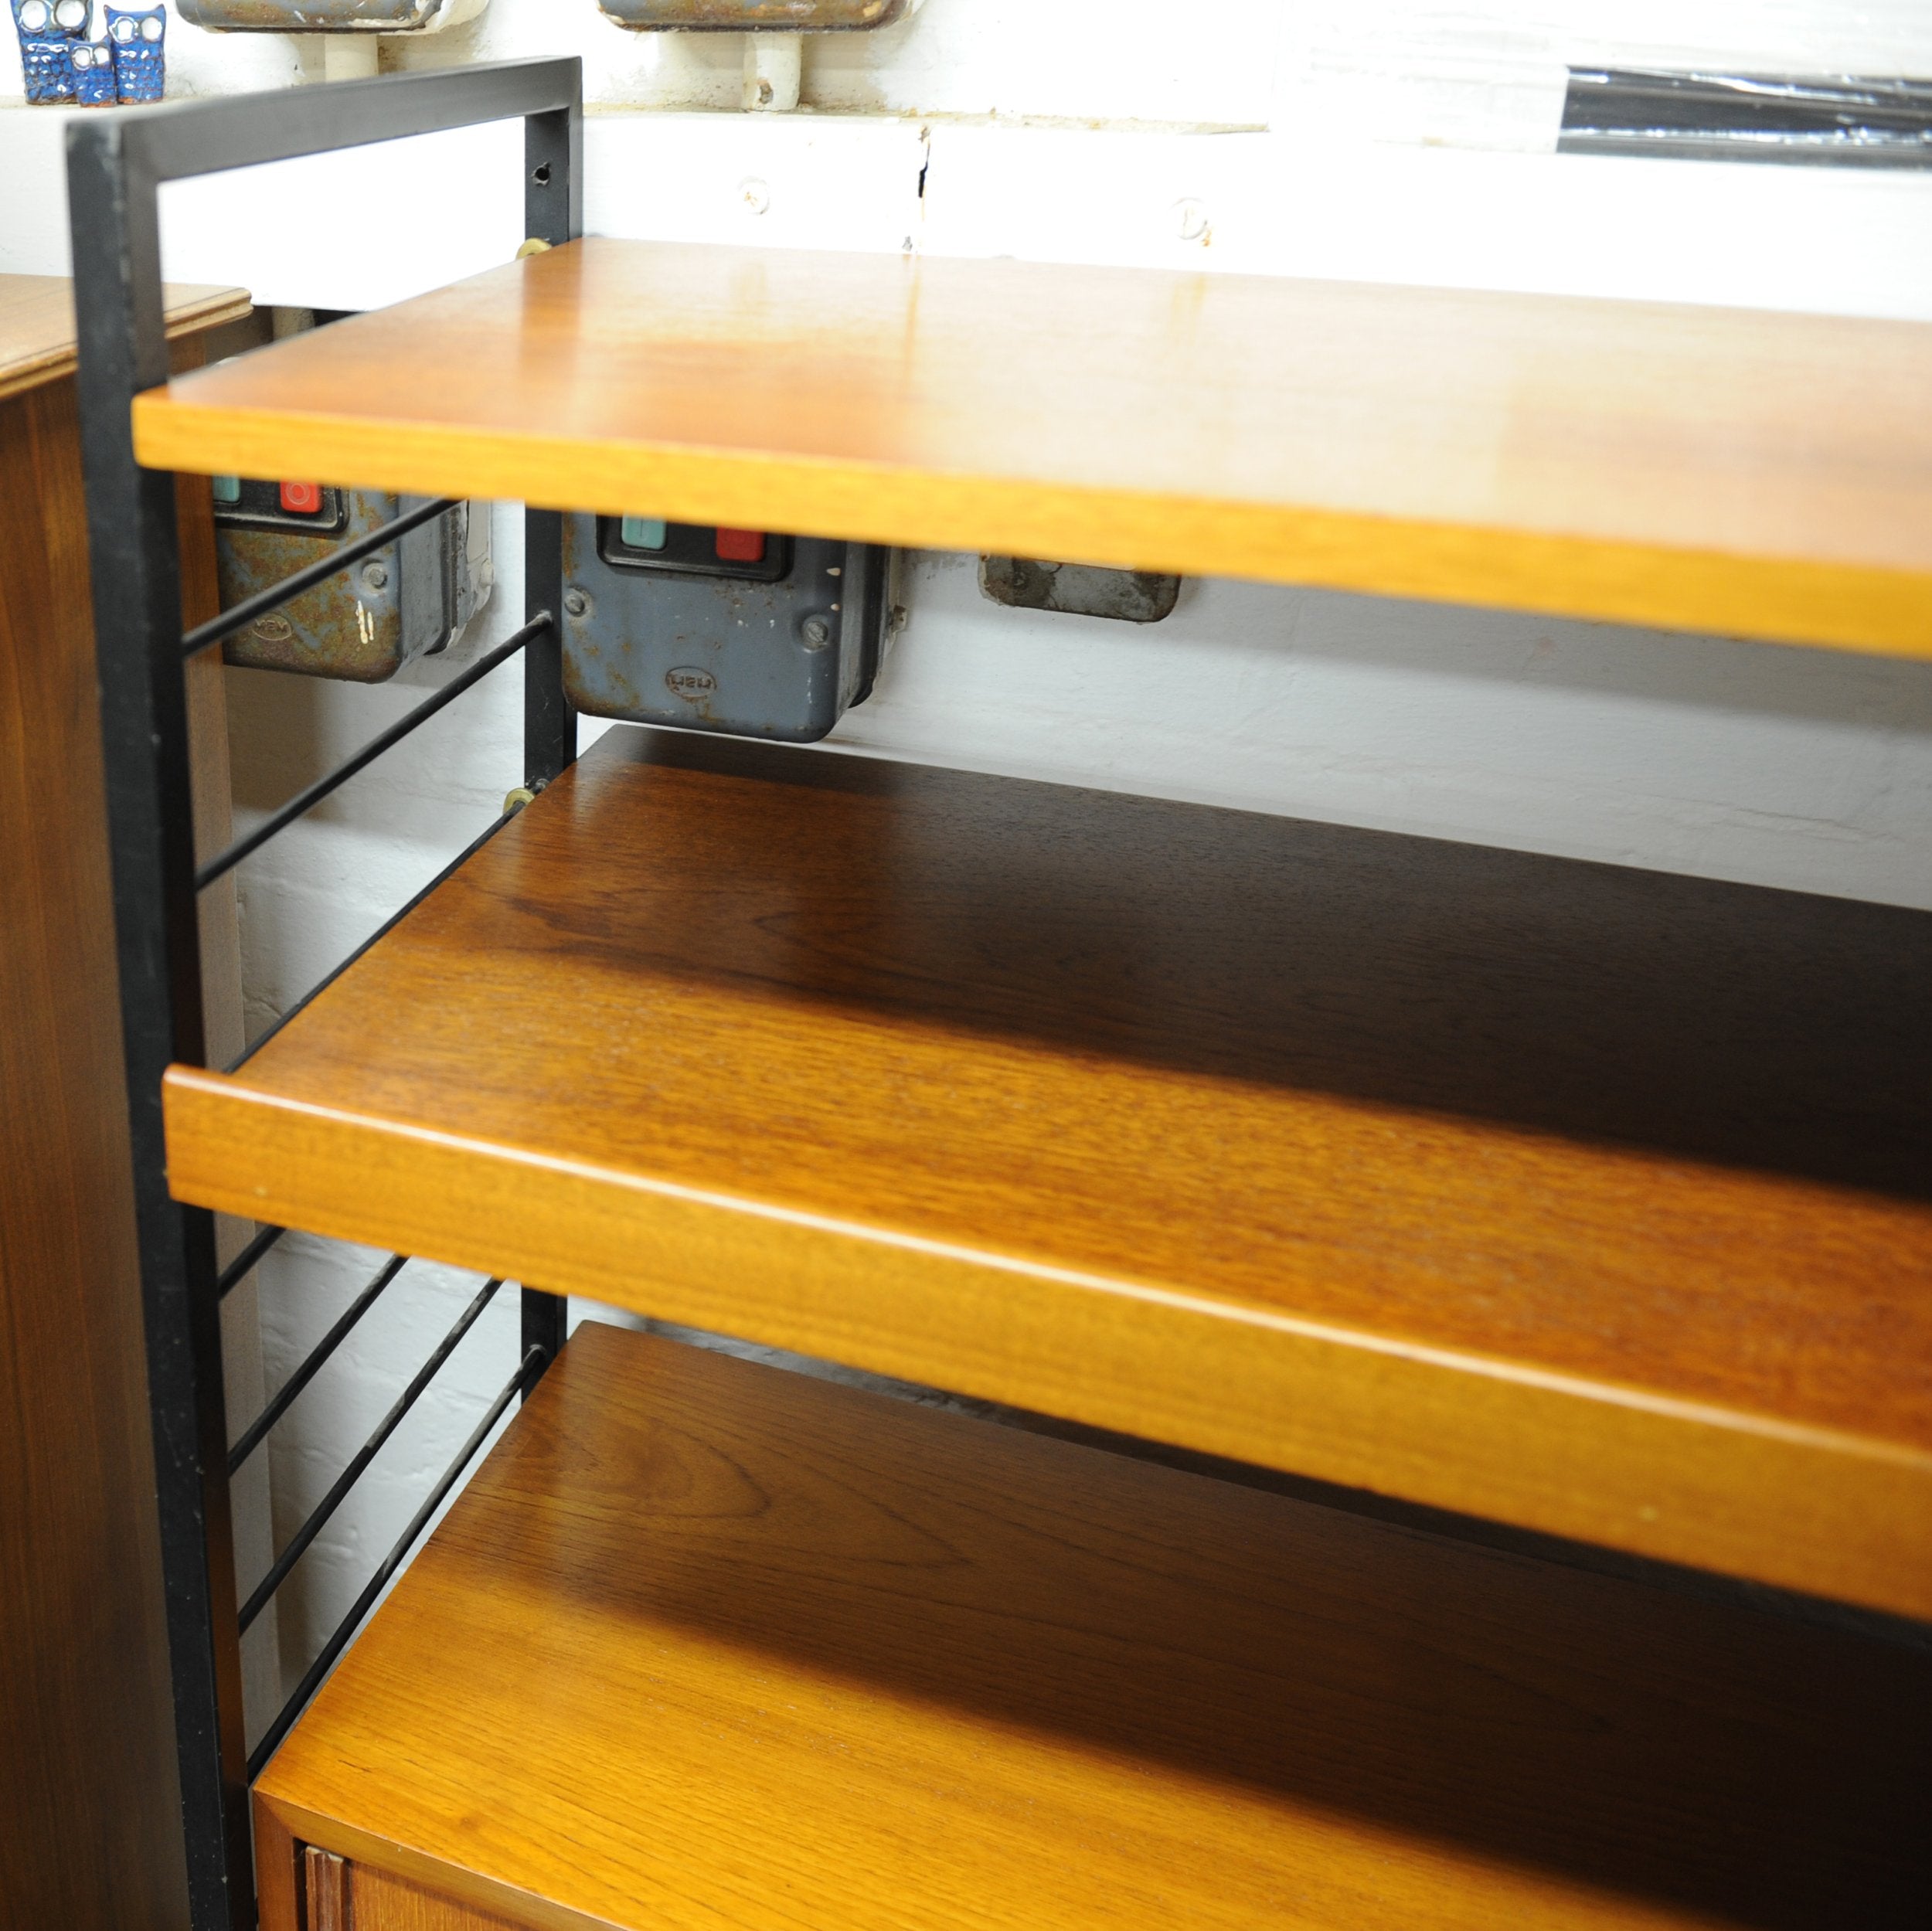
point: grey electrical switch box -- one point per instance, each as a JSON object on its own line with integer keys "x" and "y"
{"x": 740, "y": 631}
{"x": 409, "y": 600}
{"x": 751, "y": 16}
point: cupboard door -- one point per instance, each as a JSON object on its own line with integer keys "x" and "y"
{"x": 341, "y": 1896}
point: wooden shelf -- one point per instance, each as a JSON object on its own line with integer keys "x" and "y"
{"x": 1760, "y": 474}
{"x": 1595, "y": 1201}
{"x": 37, "y": 334}
{"x": 706, "y": 1643}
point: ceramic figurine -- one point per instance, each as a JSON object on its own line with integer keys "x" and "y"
{"x": 141, "y": 51}
{"x": 93, "y": 72}
{"x": 49, "y": 30}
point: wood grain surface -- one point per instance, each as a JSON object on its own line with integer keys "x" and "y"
{"x": 385, "y": 1903}
{"x": 1589, "y": 1199}
{"x": 325, "y": 1881}
{"x": 281, "y": 1875}
{"x": 356, "y": 1898}
{"x": 37, "y": 324}
{"x": 707, "y": 1644}
{"x": 89, "y": 1815}
{"x": 86, "y": 1745}
{"x": 1698, "y": 468}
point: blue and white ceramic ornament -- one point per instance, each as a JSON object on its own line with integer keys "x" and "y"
{"x": 139, "y": 37}
{"x": 93, "y": 72}
{"x": 59, "y": 63}
{"x": 49, "y": 31}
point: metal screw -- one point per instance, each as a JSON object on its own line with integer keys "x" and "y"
{"x": 576, "y": 603}
{"x": 755, "y": 194}
{"x": 375, "y": 575}
{"x": 817, "y": 633}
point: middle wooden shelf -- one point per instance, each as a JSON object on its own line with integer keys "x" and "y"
{"x": 1591, "y": 1200}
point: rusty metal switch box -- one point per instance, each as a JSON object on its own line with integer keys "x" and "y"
{"x": 409, "y": 600}
{"x": 740, "y": 631}
{"x": 325, "y": 16}
{"x": 754, "y": 16}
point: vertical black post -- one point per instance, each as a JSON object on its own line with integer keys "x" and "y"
{"x": 553, "y": 213}
{"x": 136, "y": 570}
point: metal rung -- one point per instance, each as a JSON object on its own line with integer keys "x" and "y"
{"x": 381, "y": 932}
{"x": 320, "y": 1669}
{"x": 250, "y": 1441}
{"x": 299, "y": 1542}
{"x": 245, "y": 1262}
{"x": 220, "y": 629}
{"x": 307, "y": 801}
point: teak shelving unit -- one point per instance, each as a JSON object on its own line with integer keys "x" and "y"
{"x": 1453, "y": 1186}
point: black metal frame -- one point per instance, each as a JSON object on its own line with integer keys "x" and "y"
{"x": 116, "y": 165}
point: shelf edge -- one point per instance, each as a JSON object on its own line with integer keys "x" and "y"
{"x": 1847, "y": 606}
{"x": 1827, "y": 1514}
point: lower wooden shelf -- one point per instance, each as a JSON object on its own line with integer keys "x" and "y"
{"x": 1594, "y": 1201}
{"x": 706, "y": 1643}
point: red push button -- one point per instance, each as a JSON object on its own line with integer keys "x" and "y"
{"x": 741, "y": 546}
{"x": 301, "y": 499}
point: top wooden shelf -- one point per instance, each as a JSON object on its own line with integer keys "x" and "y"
{"x": 37, "y": 334}
{"x": 1768, "y": 476}
{"x": 1595, "y": 1201}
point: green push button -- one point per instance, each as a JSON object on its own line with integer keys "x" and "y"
{"x": 644, "y": 533}
{"x": 228, "y": 489}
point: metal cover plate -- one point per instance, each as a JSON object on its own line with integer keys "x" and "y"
{"x": 309, "y": 16}
{"x": 1079, "y": 590}
{"x": 752, "y": 16}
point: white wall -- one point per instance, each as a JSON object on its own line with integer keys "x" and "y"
{"x": 1481, "y": 76}
{"x": 1405, "y": 142}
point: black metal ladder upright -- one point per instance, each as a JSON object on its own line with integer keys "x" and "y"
{"x": 116, "y": 165}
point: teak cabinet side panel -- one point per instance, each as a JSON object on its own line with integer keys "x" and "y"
{"x": 277, "y": 1872}
{"x": 87, "y": 1743}
{"x": 90, "y": 1819}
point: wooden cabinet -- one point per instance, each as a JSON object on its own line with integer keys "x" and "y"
{"x": 337, "y": 1896}
{"x": 89, "y": 1822}
{"x": 707, "y": 1643}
